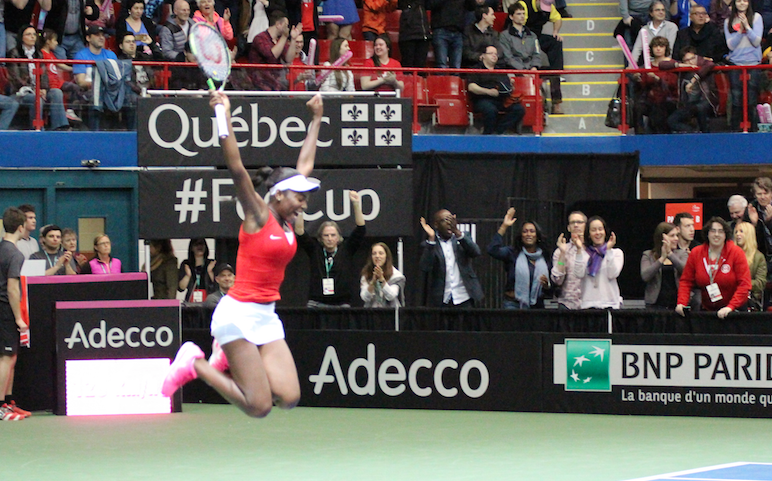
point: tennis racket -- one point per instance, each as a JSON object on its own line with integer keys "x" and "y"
{"x": 214, "y": 59}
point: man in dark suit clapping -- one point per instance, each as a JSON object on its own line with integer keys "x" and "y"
{"x": 447, "y": 258}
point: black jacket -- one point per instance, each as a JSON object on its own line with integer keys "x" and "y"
{"x": 433, "y": 263}
{"x": 709, "y": 42}
{"x": 450, "y": 14}
{"x": 57, "y": 16}
{"x": 413, "y": 22}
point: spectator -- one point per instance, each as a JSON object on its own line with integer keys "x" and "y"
{"x": 491, "y": 94}
{"x": 103, "y": 262}
{"x": 657, "y": 27}
{"x": 11, "y": 322}
{"x": 685, "y": 223}
{"x": 22, "y": 79}
{"x": 106, "y": 18}
{"x": 206, "y": 14}
{"x": 658, "y": 95}
{"x": 661, "y": 267}
{"x": 346, "y": 8}
{"x": 599, "y": 266}
{"x": 137, "y": 24}
{"x": 382, "y": 81}
{"x": 635, "y": 14}
{"x": 233, "y": 8}
{"x": 141, "y": 77}
{"x": 8, "y": 106}
{"x": 526, "y": 266}
{"x": 744, "y": 31}
{"x": 737, "y": 206}
{"x": 55, "y": 81}
{"x": 68, "y": 19}
{"x": 86, "y": 74}
{"x": 330, "y": 257}
{"x": 537, "y": 14}
{"x": 447, "y": 260}
{"x": 163, "y": 269}
{"x": 381, "y": 284}
{"x": 270, "y": 47}
{"x": 306, "y": 13}
{"x": 225, "y": 278}
{"x": 415, "y": 36}
{"x": 303, "y": 76}
{"x": 339, "y": 80}
{"x": 57, "y": 259}
{"x": 174, "y": 33}
{"x": 447, "y": 22}
{"x": 745, "y": 238}
{"x": 478, "y": 35}
{"x": 196, "y": 273}
{"x": 564, "y": 261}
{"x": 259, "y": 22}
{"x": 719, "y": 269}
{"x": 760, "y": 215}
{"x": 374, "y": 17}
{"x": 705, "y": 37}
{"x": 698, "y": 97}
{"x": 27, "y": 244}
{"x": 520, "y": 46}
{"x": 719, "y": 12}
{"x": 70, "y": 244}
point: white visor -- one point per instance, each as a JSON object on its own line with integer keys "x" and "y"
{"x": 296, "y": 183}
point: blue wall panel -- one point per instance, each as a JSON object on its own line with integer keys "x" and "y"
{"x": 67, "y": 149}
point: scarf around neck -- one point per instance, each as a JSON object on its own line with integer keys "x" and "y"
{"x": 527, "y": 293}
{"x": 596, "y": 258}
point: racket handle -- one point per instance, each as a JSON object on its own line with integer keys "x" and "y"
{"x": 222, "y": 121}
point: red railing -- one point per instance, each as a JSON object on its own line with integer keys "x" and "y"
{"x": 165, "y": 74}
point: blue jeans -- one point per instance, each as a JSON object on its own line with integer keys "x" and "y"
{"x": 3, "y": 45}
{"x": 490, "y": 107}
{"x": 8, "y": 106}
{"x": 69, "y": 46}
{"x": 447, "y": 48}
{"x": 55, "y": 103}
{"x": 754, "y": 82}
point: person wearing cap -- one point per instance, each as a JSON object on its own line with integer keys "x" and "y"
{"x": 249, "y": 336}
{"x": 537, "y": 14}
{"x": 57, "y": 259}
{"x": 331, "y": 258}
{"x": 224, "y": 276}
{"x": 84, "y": 73}
{"x": 68, "y": 19}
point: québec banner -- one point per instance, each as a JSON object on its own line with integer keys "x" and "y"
{"x": 177, "y": 204}
{"x": 270, "y": 131}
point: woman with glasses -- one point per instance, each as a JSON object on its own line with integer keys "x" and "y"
{"x": 103, "y": 262}
{"x": 719, "y": 269}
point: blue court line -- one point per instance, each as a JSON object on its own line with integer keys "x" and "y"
{"x": 740, "y": 471}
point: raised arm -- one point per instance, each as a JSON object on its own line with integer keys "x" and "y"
{"x": 308, "y": 151}
{"x": 255, "y": 209}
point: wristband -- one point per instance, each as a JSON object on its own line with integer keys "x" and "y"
{"x": 561, "y": 263}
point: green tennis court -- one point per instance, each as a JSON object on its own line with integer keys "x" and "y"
{"x": 212, "y": 442}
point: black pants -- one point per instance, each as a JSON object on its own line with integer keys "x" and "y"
{"x": 414, "y": 52}
{"x": 554, "y": 50}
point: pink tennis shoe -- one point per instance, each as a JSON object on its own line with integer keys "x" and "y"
{"x": 218, "y": 360}
{"x": 181, "y": 370}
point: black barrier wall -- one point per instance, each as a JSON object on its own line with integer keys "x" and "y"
{"x": 541, "y": 360}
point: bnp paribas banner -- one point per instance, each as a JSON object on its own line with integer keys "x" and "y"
{"x": 179, "y": 132}
{"x": 663, "y": 375}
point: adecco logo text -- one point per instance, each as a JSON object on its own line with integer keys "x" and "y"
{"x": 391, "y": 376}
{"x": 100, "y": 337}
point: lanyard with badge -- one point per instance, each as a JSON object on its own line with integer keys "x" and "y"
{"x": 198, "y": 294}
{"x": 328, "y": 283}
{"x": 713, "y": 291}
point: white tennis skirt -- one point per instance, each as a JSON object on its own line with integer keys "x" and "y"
{"x": 257, "y": 323}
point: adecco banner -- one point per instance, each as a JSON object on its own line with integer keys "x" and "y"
{"x": 202, "y": 203}
{"x": 432, "y": 370}
{"x": 112, "y": 356}
{"x": 270, "y": 131}
{"x": 645, "y": 374}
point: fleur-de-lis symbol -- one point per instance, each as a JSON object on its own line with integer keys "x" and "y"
{"x": 354, "y": 113}
{"x": 388, "y": 137}
{"x": 354, "y": 137}
{"x": 388, "y": 112}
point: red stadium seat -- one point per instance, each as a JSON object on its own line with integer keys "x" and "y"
{"x": 527, "y": 86}
{"x": 323, "y": 49}
{"x": 501, "y": 19}
{"x": 451, "y": 111}
{"x": 409, "y": 92}
{"x": 445, "y": 86}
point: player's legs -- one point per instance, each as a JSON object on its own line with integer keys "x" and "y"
{"x": 7, "y": 364}
{"x": 282, "y": 373}
{"x": 247, "y": 386}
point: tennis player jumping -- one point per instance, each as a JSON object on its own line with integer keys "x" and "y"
{"x": 249, "y": 336}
